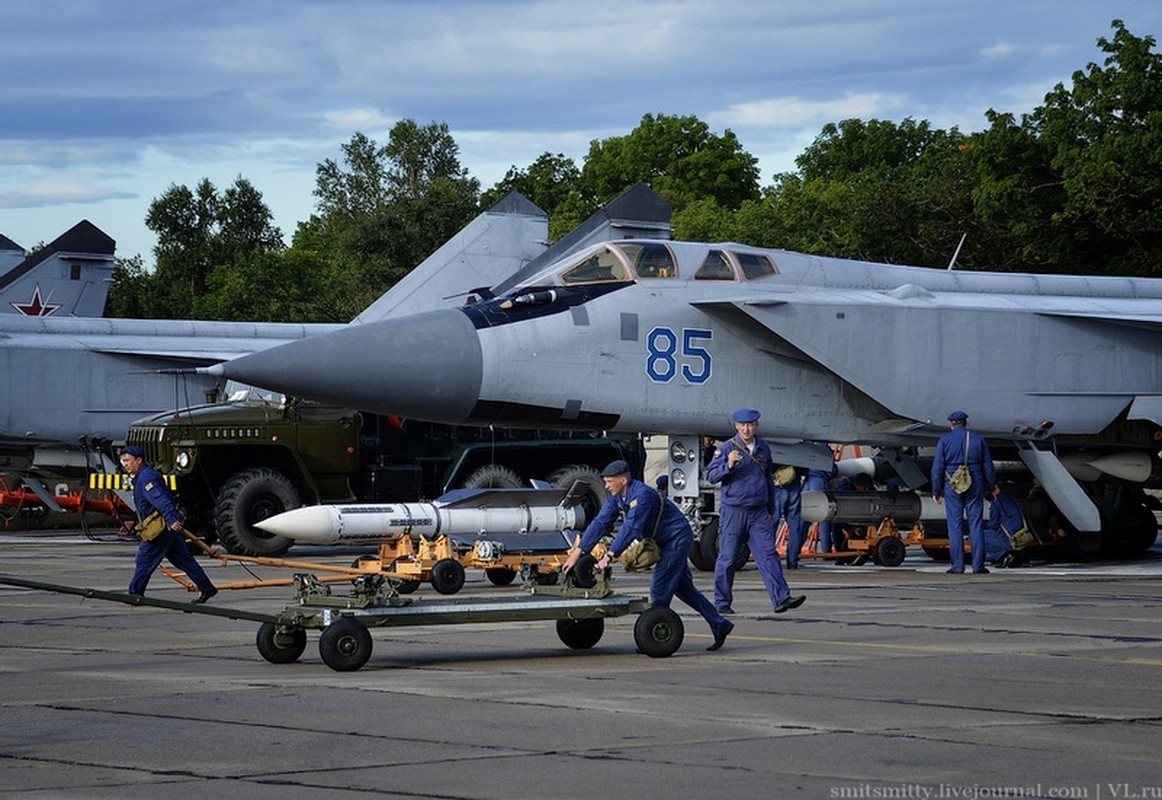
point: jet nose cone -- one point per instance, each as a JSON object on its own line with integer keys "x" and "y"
{"x": 427, "y": 366}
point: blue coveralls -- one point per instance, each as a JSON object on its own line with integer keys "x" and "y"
{"x": 1004, "y": 519}
{"x": 789, "y": 506}
{"x": 671, "y": 576}
{"x": 950, "y": 454}
{"x": 817, "y": 480}
{"x": 150, "y": 494}
{"x": 748, "y": 509}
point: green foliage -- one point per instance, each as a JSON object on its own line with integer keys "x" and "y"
{"x": 679, "y": 157}
{"x": 386, "y": 208}
{"x": 129, "y": 289}
{"x": 199, "y": 231}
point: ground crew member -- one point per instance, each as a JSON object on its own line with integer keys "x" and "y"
{"x": 789, "y": 507}
{"x": 1005, "y": 519}
{"x": 817, "y": 480}
{"x": 150, "y": 494}
{"x": 743, "y": 467}
{"x": 641, "y": 505}
{"x": 960, "y": 446}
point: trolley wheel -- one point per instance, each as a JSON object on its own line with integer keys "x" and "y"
{"x": 584, "y": 575}
{"x": 890, "y": 551}
{"x": 500, "y": 576}
{"x": 407, "y": 587}
{"x": 280, "y": 647}
{"x": 345, "y": 645}
{"x": 580, "y": 634}
{"x": 447, "y": 576}
{"x": 658, "y": 632}
{"x": 551, "y": 578}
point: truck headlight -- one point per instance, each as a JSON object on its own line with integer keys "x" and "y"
{"x": 183, "y": 460}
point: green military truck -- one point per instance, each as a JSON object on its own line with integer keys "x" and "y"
{"x": 252, "y": 456}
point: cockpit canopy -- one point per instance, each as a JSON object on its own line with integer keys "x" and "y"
{"x": 634, "y": 260}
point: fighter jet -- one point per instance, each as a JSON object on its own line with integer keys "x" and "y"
{"x": 670, "y": 337}
{"x": 69, "y": 277}
{"x": 90, "y": 378}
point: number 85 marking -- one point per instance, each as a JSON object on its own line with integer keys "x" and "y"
{"x": 662, "y": 358}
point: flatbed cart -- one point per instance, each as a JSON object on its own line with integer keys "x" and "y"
{"x": 345, "y": 642}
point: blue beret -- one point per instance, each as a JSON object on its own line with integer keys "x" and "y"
{"x": 746, "y": 415}
{"x": 618, "y": 467}
{"x": 663, "y": 480}
{"x": 133, "y": 450}
{"x": 957, "y": 416}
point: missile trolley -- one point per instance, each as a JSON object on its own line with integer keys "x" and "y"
{"x": 579, "y": 602}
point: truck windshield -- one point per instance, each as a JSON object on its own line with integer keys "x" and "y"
{"x": 244, "y": 393}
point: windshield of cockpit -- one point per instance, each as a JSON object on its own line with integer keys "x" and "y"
{"x": 627, "y": 261}
{"x": 624, "y": 261}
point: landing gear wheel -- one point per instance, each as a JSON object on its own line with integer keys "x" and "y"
{"x": 345, "y": 645}
{"x": 697, "y": 554}
{"x": 890, "y": 551}
{"x": 658, "y": 632}
{"x": 280, "y": 647}
{"x": 500, "y": 576}
{"x": 709, "y": 543}
{"x": 447, "y": 576}
{"x": 580, "y": 634}
{"x": 584, "y": 572}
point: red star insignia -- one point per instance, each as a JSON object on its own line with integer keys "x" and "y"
{"x": 36, "y": 307}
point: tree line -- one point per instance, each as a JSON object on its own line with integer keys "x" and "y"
{"x": 1075, "y": 186}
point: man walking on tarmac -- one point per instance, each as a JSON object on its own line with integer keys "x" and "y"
{"x": 150, "y": 494}
{"x": 648, "y": 513}
{"x": 743, "y": 466}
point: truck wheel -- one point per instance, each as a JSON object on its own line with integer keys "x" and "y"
{"x": 493, "y": 476}
{"x": 249, "y": 497}
{"x": 595, "y": 495}
{"x": 447, "y": 576}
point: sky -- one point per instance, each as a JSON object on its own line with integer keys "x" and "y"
{"x": 106, "y": 104}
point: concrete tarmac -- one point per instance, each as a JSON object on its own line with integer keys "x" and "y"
{"x": 898, "y": 682}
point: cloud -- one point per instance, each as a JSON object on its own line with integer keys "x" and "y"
{"x": 796, "y": 113}
{"x": 61, "y": 189}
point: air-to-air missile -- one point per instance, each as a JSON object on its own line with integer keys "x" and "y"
{"x": 464, "y": 512}
{"x": 870, "y": 507}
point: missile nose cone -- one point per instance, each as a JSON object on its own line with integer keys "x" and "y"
{"x": 426, "y": 366}
{"x": 306, "y": 525}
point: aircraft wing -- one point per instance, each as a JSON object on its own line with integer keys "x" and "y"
{"x": 920, "y": 354}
